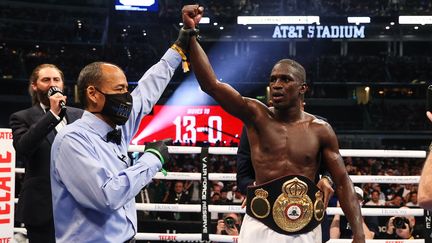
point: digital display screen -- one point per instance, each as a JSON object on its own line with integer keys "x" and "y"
{"x": 189, "y": 124}
{"x": 137, "y": 5}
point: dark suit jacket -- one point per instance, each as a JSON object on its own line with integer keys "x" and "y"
{"x": 173, "y": 199}
{"x": 33, "y": 133}
{"x": 245, "y": 171}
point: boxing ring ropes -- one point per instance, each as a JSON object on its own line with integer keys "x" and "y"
{"x": 206, "y": 209}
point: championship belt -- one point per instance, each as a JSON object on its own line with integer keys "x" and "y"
{"x": 288, "y": 205}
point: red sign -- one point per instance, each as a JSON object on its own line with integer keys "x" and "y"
{"x": 189, "y": 124}
{"x": 7, "y": 187}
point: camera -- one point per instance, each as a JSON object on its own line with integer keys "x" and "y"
{"x": 399, "y": 222}
{"x": 229, "y": 222}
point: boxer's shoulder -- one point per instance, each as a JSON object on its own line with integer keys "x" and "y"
{"x": 314, "y": 120}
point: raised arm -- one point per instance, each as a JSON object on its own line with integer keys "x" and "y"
{"x": 150, "y": 88}
{"x": 344, "y": 187}
{"x": 224, "y": 94}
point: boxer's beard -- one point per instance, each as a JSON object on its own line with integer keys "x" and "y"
{"x": 43, "y": 97}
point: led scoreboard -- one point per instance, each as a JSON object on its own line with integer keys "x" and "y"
{"x": 189, "y": 124}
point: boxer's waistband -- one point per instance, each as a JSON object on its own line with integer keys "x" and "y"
{"x": 288, "y": 205}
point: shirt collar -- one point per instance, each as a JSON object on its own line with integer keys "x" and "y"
{"x": 97, "y": 124}
{"x": 44, "y": 107}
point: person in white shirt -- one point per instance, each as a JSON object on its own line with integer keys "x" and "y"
{"x": 412, "y": 199}
{"x": 375, "y": 199}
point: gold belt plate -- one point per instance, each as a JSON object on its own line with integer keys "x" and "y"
{"x": 293, "y": 209}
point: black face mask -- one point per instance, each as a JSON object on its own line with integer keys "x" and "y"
{"x": 117, "y": 107}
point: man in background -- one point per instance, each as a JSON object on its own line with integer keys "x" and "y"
{"x": 34, "y": 130}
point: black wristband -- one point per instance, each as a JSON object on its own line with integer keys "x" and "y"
{"x": 184, "y": 37}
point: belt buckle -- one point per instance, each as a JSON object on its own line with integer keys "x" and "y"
{"x": 294, "y": 209}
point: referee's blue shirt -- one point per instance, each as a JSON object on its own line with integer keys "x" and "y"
{"x": 93, "y": 184}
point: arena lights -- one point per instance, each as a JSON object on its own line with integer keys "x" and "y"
{"x": 245, "y": 20}
{"x": 425, "y": 19}
{"x": 204, "y": 20}
{"x": 359, "y": 20}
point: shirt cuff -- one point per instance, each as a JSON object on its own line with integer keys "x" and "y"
{"x": 58, "y": 118}
{"x": 172, "y": 57}
{"x": 151, "y": 161}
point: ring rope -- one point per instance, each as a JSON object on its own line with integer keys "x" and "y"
{"x": 343, "y": 152}
{"x": 381, "y": 211}
{"x": 237, "y": 209}
{"x": 233, "y": 151}
{"x": 192, "y": 208}
{"x": 232, "y": 177}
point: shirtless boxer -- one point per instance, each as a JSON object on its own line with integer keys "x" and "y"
{"x": 285, "y": 205}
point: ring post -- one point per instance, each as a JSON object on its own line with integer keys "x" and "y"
{"x": 205, "y": 195}
{"x": 428, "y": 226}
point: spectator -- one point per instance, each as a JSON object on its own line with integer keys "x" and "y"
{"x": 399, "y": 228}
{"x": 340, "y": 228}
{"x": 217, "y": 188}
{"x": 193, "y": 189}
{"x": 224, "y": 197}
{"x": 375, "y": 199}
{"x": 229, "y": 224}
{"x": 412, "y": 199}
{"x": 396, "y": 201}
{"x": 178, "y": 196}
{"x": 158, "y": 192}
{"x": 376, "y": 186}
{"x": 235, "y": 195}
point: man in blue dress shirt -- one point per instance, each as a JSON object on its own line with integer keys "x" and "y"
{"x": 93, "y": 182}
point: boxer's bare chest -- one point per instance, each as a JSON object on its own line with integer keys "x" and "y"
{"x": 281, "y": 149}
